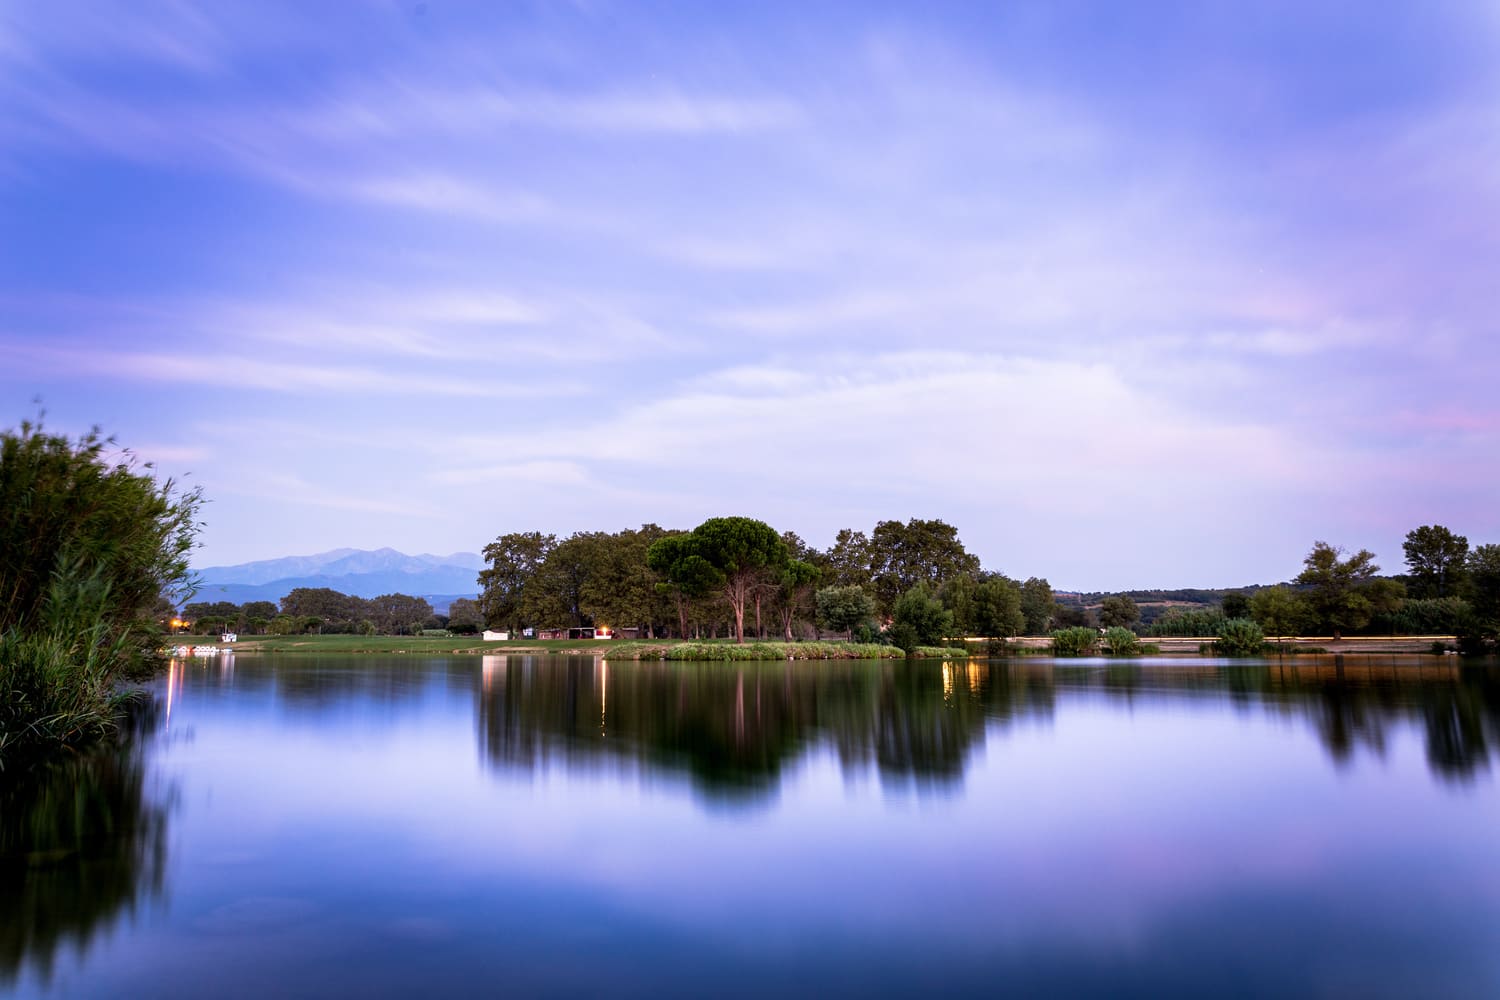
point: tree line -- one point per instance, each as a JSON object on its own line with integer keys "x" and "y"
{"x": 329, "y": 612}
{"x": 910, "y": 582}
{"x": 914, "y": 582}
{"x": 1447, "y": 589}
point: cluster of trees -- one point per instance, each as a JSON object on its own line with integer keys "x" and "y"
{"x": 913, "y": 582}
{"x": 1448, "y": 589}
{"x": 327, "y": 611}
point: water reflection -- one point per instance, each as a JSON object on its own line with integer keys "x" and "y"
{"x": 82, "y": 843}
{"x": 736, "y": 728}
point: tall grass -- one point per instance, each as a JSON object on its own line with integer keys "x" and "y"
{"x": 58, "y": 674}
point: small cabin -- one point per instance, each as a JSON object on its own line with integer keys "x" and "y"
{"x": 490, "y": 635}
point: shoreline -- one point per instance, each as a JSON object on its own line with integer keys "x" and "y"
{"x": 767, "y": 650}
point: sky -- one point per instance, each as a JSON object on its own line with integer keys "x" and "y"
{"x": 1135, "y": 295}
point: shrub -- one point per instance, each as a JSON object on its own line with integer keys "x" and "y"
{"x": 919, "y": 619}
{"x": 1076, "y": 641}
{"x": 88, "y": 551}
{"x": 1240, "y": 637}
{"x": 1122, "y": 641}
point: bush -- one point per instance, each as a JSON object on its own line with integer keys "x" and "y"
{"x": 1122, "y": 641}
{"x": 919, "y": 619}
{"x": 1240, "y": 637}
{"x": 88, "y": 551}
{"x": 1076, "y": 641}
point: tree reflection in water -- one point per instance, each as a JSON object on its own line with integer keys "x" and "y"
{"x": 735, "y": 728}
{"x": 81, "y": 843}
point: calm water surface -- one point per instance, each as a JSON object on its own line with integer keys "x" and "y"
{"x": 560, "y": 826}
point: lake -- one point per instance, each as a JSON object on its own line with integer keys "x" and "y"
{"x": 556, "y": 826}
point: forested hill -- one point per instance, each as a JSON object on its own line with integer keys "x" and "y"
{"x": 357, "y": 572}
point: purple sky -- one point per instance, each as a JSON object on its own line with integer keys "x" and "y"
{"x": 1135, "y": 295}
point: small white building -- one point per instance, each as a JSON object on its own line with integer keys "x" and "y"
{"x": 490, "y": 635}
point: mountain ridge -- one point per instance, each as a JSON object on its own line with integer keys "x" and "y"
{"x": 360, "y": 572}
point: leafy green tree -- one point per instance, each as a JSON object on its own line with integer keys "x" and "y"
{"x": 1484, "y": 586}
{"x": 1336, "y": 586}
{"x": 621, "y": 587}
{"x": 554, "y": 595}
{"x": 69, "y": 509}
{"x": 1118, "y": 610}
{"x": 918, "y": 618}
{"x": 398, "y": 614}
{"x": 513, "y": 560}
{"x": 849, "y": 560}
{"x": 997, "y": 608}
{"x": 845, "y": 608}
{"x": 745, "y": 552}
{"x": 1435, "y": 558}
{"x": 796, "y": 584}
{"x": 1037, "y": 603}
{"x": 197, "y": 610}
{"x": 1235, "y": 605}
{"x": 959, "y": 594}
{"x": 685, "y": 575}
{"x": 464, "y": 616}
{"x": 1280, "y": 611}
{"x": 325, "y": 610}
{"x": 919, "y": 551}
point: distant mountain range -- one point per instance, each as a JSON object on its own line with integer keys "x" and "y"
{"x": 362, "y": 573}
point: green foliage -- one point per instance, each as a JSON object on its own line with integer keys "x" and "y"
{"x": 397, "y": 614}
{"x": 1336, "y": 587}
{"x": 1121, "y": 641}
{"x": 845, "y": 608}
{"x": 1118, "y": 610}
{"x": 324, "y": 609}
{"x": 685, "y": 575}
{"x": 1280, "y": 611}
{"x": 1235, "y": 605}
{"x": 68, "y": 508}
{"x": 849, "y": 559}
{"x": 1184, "y": 623}
{"x": 1037, "y": 603}
{"x": 916, "y": 552}
{"x": 1435, "y": 558}
{"x": 58, "y": 671}
{"x": 1076, "y": 641}
{"x": 745, "y": 553}
{"x": 513, "y": 560}
{"x": 464, "y": 616}
{"x": 708, "y": 651}
{"x": 88, "y": 551}
{"x": 1240, "y": 637}
{"x": 1430, "y": 616}
{"x": 794, "y": 587}
{"x": 938, "y": 652}
{"x": 554, "y": 595}
{"x": 1484, "y": 586}
{"x": 919, "y": 619}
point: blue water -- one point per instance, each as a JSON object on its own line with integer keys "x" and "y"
{"x": 546, "y": 826}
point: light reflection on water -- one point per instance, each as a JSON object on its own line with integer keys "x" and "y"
{"x": 563, "y": 825}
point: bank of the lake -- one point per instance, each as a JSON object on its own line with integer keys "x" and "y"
{"x": 615, "y": 649}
